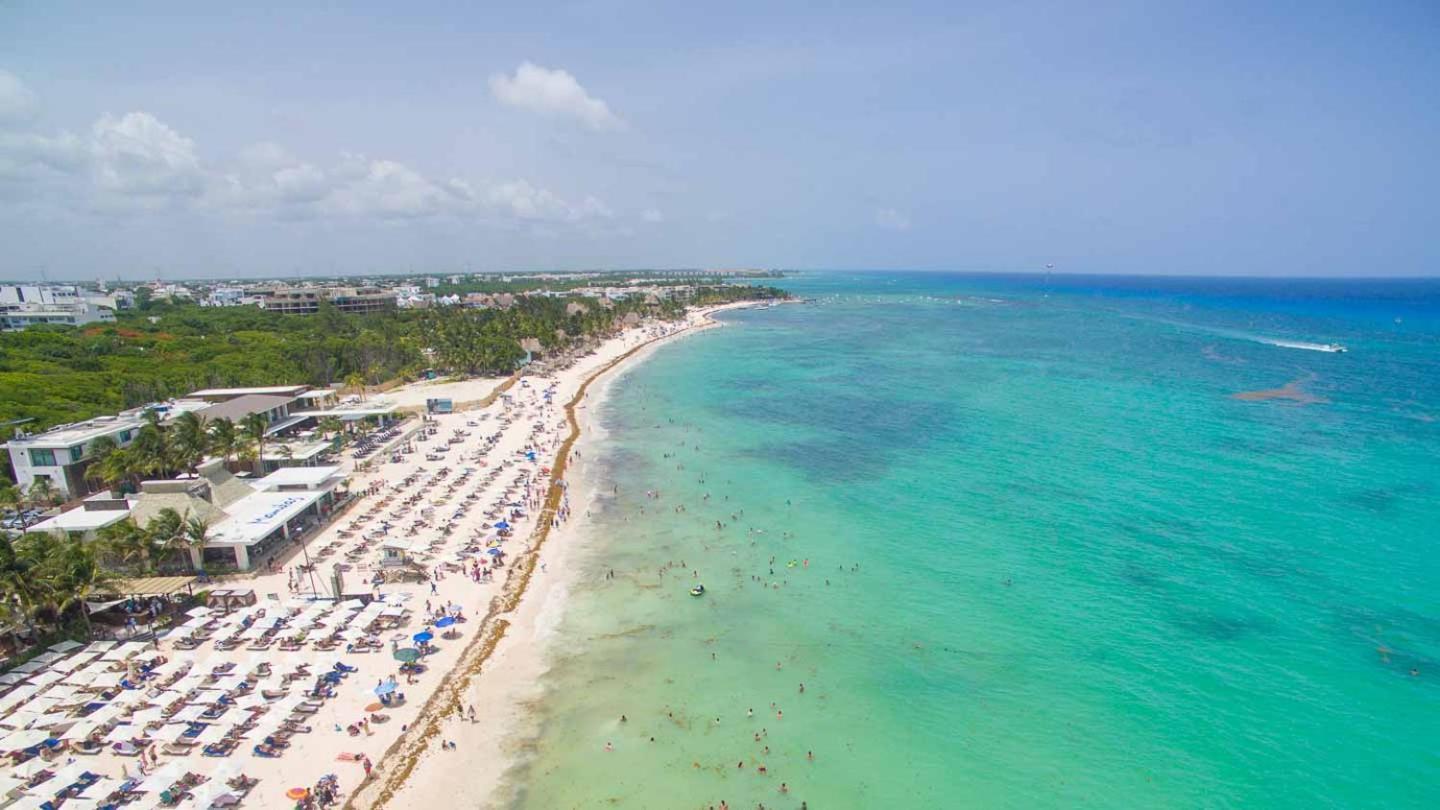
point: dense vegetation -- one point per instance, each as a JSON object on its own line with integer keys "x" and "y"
{"x": 55, "y": 374}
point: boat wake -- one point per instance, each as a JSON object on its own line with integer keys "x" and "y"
{"x": 1235, "y": 334}
{"x": 1332, "y": 348}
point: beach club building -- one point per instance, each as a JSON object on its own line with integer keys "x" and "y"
{"x": 248, "y": 521}
{"x": 284, "y": 507}
{"x": 62, "y": 454}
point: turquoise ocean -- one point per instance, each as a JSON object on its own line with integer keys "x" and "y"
{"x": 1029, "y": 550}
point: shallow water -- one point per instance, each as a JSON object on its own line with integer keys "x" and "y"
{"x": 1053, "y": 561}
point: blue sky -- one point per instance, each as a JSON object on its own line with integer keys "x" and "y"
{"x": 192, "y": 139}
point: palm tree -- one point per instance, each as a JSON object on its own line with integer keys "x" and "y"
{"x": 253, "y": 428}
{"x": 164, "y": 534}
{"x": 224, "y": 439}
{"x": 71, "y": 573}
{"x": 356, "y": 381}
{"x": 151, "y": 448}
{"x": 10, "y": 496}
{"x": 189, "y": 440}
{"x": 22, "y": 590}
{"x": 100, "y": 451}
{"x": 41, "y": 494}
{"x": 127, "y": 543}
{"x": 197, "y": 534}
{"x": 330, "y": 424}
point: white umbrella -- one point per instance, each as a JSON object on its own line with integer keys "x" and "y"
{"x": 230, "y": 683}
{"x": 12, "y": 678}
{"x": 122, "y": 734}
{"x": 81, "y": 678}
{"x": 9, "y": 784}
{"x": 75, "y": 662}
{"x": 172, "y": 733}
{"x": 82, "y": 729}
{"x": 48, "y": 658}
{"x": 69, "y": 775}
{"x": 162, "y": 779}
{"x": 189, "y": 714}
{"x": 105, "y": 713}
{"x": 29, "y": 803}
{"x": 29, "y": 667}
{"x": 21, "y": 719}
{"x": 32, "y": 767}
{"x": 210, "y": 793}
{"x": 212, "y": 734}
{"x": 145, "y": 717}
{"x": 46, "y": 678}
{"x": 65, "y": 646}
{"x": 199, "y": 611}
{"x": 229, "y": 769}
{"x": 251, "y": 701}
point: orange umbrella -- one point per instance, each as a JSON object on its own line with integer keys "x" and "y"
{"x": 374, "y": 707}
{"x": 297, "y": 793}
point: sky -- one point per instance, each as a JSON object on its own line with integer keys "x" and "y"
{"x": 185, "y": 139}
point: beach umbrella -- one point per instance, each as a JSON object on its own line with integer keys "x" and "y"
{"x": 385, "y": 688}
{"x": 407, "y": 655}
{"x": 32, "y": 767}
{"x": 493, "y": 552}
{"x": 374, "y": 707}
{"x": 199, "y": 611}
{"x": 502, "y": 525}
{"x": 445, "y": 621}
{"x": 424, "y": 636}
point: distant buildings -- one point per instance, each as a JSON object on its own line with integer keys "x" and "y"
{"x": 306, "y": 300}
{"x": 229, "y": 297}
{"x": 24, "y": 305}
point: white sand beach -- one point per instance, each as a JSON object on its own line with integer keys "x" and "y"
{"x": 501, "y": 676}
{"x": 260, "y": 704}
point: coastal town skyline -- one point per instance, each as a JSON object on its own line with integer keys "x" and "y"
{"x": 1127, "y": 139}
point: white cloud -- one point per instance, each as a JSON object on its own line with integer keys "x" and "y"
{"x": 526, "y": 202}
{"x": 29, "y": 156}
{"x": 891, "y": 219}
{"x": 553, "y": 92}
{"x": 137, "y": 155}
{"x": 17, "y": 103}
{"x": 136, "y": 162}
{"x": 652, "y": 215}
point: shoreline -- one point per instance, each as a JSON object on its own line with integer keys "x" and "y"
{"x": 527, "y": 608}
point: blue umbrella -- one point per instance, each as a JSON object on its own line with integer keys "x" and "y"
{"x": 385, "y": 688}
{"x": 494, "y": 552}
{"x": 445, "y": 621}
{"x": 424, "y": 636}
{"x": 502, "y": 525}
